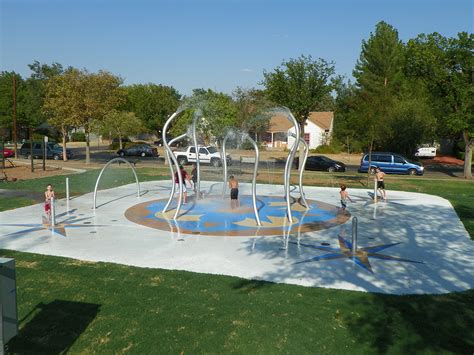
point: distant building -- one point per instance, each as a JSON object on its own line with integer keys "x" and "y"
{"x": 318, "y": 130}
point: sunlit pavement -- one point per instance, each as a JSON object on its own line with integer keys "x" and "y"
{"x": 411, "y": 244}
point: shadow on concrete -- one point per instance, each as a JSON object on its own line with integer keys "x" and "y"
{"x": 54, "y": 327}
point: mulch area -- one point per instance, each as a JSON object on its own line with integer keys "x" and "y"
{"x": 444, "y": 160}
{"x": 23, "y": 172}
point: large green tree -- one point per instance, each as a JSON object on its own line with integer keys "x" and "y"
{"x": 83, "y": 99}
{"x": 445, "y": 65}
{"x": 35, "y": 90}
{"x": 378, "y": 75}
{"x": 218, "y": 112}
{"x": 152, "y": 104}
{"x": 120, "y": 124}
{"x": 303, "y": 85}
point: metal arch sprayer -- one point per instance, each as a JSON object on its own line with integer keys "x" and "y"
{"x": 301, "y": 171}
{"x": 175, "y": 161}
{"x": 198, "y": 165}
{"x": 254, "y": 180}
{"x": 224, "y": 161}
{"x": 289, "y": 164}
{"x": 105, "y": 167}
{"x": 173, "y": 186}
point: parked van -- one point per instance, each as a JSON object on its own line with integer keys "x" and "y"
{"x": 53, "y": 150}
{"x": 426, "y": 152}
{"x": 390, "y": 163}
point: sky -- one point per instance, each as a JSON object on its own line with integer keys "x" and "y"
{"x": 208, "y": 44}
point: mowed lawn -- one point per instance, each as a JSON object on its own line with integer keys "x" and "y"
{"x": 82, "y": 307}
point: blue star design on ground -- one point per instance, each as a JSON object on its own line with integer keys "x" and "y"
{"x": 360, "y": 258}
{"x": 59, "y": 228}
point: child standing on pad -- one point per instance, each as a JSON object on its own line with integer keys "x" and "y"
{"x": 48, "y": 195}
{"x": 234, "y": 192}
{"x": 344, "y": 197}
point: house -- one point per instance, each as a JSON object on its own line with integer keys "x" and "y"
{"x": 318, "y": 130}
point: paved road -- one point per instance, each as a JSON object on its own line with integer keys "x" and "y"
{"x": 100, "y": 155}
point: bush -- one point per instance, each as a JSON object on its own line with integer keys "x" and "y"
{"x": 327, "y": 149}
{"x": 78, "y": 137}
{"x": 116, "y": 145}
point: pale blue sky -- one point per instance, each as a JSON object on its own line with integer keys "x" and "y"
{"x": 210, "y": 44}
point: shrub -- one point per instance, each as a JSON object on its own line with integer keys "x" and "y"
{"x": 78, "y": 137}
{"x": 327, "y": 149}
{"x": 116, "y": 145}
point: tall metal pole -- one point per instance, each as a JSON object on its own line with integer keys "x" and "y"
{"x": 354, "y": 235}
{"x": 53, "y": 212}
{"x": 254, "y": 180}
{"x": 224, "y": 161}
{"x": 31, "y": 151}
{"x": 175, "y": 161}
{"x": 289, "y": 164}
{"x": 170, "y": 163}
{"x": 67, "y": 195}
{"x": 301, "y": 168}
{"x": 196, "y": 148}
{"x": 15, "y": 130}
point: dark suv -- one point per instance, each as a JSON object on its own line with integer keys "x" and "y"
{"x": 53, "y": 150}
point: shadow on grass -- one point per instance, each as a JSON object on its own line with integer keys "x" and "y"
{"x": 248, "y": 286}
{"x": 54, "y": 328}
{"x": 411, "y": 324}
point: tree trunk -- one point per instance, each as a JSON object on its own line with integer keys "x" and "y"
{"x": 120, "y": 142}
{"x": 88, "y": 153}
{"x": 64, "y": 132}
{"x": 468, "y": 145}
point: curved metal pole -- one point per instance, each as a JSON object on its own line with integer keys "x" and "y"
{"x": 301, "y": 170}
{"x": 198, "y": 166}
{"x": 175, "y": 161}
{"x": 254, "y": 180}
{"x": 102, "y": 171}
{"x": 289, "y": 164}
{"x": 173, "y": 184}
{"x": 302, "y": 166}
{"x": 224, "y": 162}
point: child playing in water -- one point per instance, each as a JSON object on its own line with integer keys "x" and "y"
{"x": 234, "y": 192}
{"x": 344, "y": 197}
{"x": 48, "y": 195}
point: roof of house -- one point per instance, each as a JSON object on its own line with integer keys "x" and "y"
{"x": 322, "y": 119}
{"x": 280, "y": 122}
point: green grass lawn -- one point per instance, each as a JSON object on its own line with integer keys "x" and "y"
{"x": 83, "y": 307}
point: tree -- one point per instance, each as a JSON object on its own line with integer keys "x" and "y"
{"x": 378, "y": 74}
{"x": 446, "y": 65}
{"x": 253, "y": 110}
{"x": 217, "y": 109}
{"x": 152, "y": 104}
{"x": 87, "y": 98}
{"x": 58, "y": 106}
{"x": 35, "y": 87}
{"x": 301, "y": 84}
{"x": 121, "y": 124}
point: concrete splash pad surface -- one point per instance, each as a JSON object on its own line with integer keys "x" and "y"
{"x": 412, "y": 244}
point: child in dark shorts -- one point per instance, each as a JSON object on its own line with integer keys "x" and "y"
{"x": 234, "y": 192}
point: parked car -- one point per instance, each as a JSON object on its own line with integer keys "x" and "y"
{"x": 322, "y": 163}
{"x": 7, "y": 153}
{"x": 207, "y": 155}
{"x": 425, "y": 152}
{"x": 390, "y": 163}
{"x": 53, "y": 150}
{"x": 139, "y": 150}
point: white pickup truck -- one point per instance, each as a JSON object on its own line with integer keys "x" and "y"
{"x": 207, "y": 155}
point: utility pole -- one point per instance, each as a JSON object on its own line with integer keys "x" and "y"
{"x": 14, "y": 117}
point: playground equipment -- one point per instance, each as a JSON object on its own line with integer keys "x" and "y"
{"x": 102, "y": 171}
{"x": 354, "y": 235}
